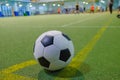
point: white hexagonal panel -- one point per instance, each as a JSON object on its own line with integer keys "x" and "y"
{"x": 61, "y": 42}
{"x": 52, "y": 53}
{"x": 38, "y": 50}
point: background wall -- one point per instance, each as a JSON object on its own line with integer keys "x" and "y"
{"x": 23, "y": 7}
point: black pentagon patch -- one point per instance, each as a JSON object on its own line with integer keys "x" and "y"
{"x": 47, "y": 41}
{"x": 44, "y": 62}
{"x": 64, "y": 55}
{"x": 66, "y": 37}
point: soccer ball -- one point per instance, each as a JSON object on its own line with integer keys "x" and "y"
{"x": 53, "y": 50}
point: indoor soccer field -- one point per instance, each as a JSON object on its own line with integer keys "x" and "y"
{"x": 95, "y": 38}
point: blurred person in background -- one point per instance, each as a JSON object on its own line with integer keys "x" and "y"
{"x": 119, "y": 7}
{"x": 98, "y": 8}
{"x": 110, "y": 6}
{"x": 77, "y": 8}
{"x": 118, "y": 10}
{"x": 59, "y": 10}
{"x": 92, "y": 8}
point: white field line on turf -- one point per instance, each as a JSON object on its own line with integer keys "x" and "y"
{"x": 87, "y": 26}
{"x": 76, "y": 22}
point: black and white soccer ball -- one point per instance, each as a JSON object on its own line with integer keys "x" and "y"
{"x": 53, "y": 50}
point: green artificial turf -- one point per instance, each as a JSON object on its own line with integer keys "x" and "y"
{"x": 18, "y": 34}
